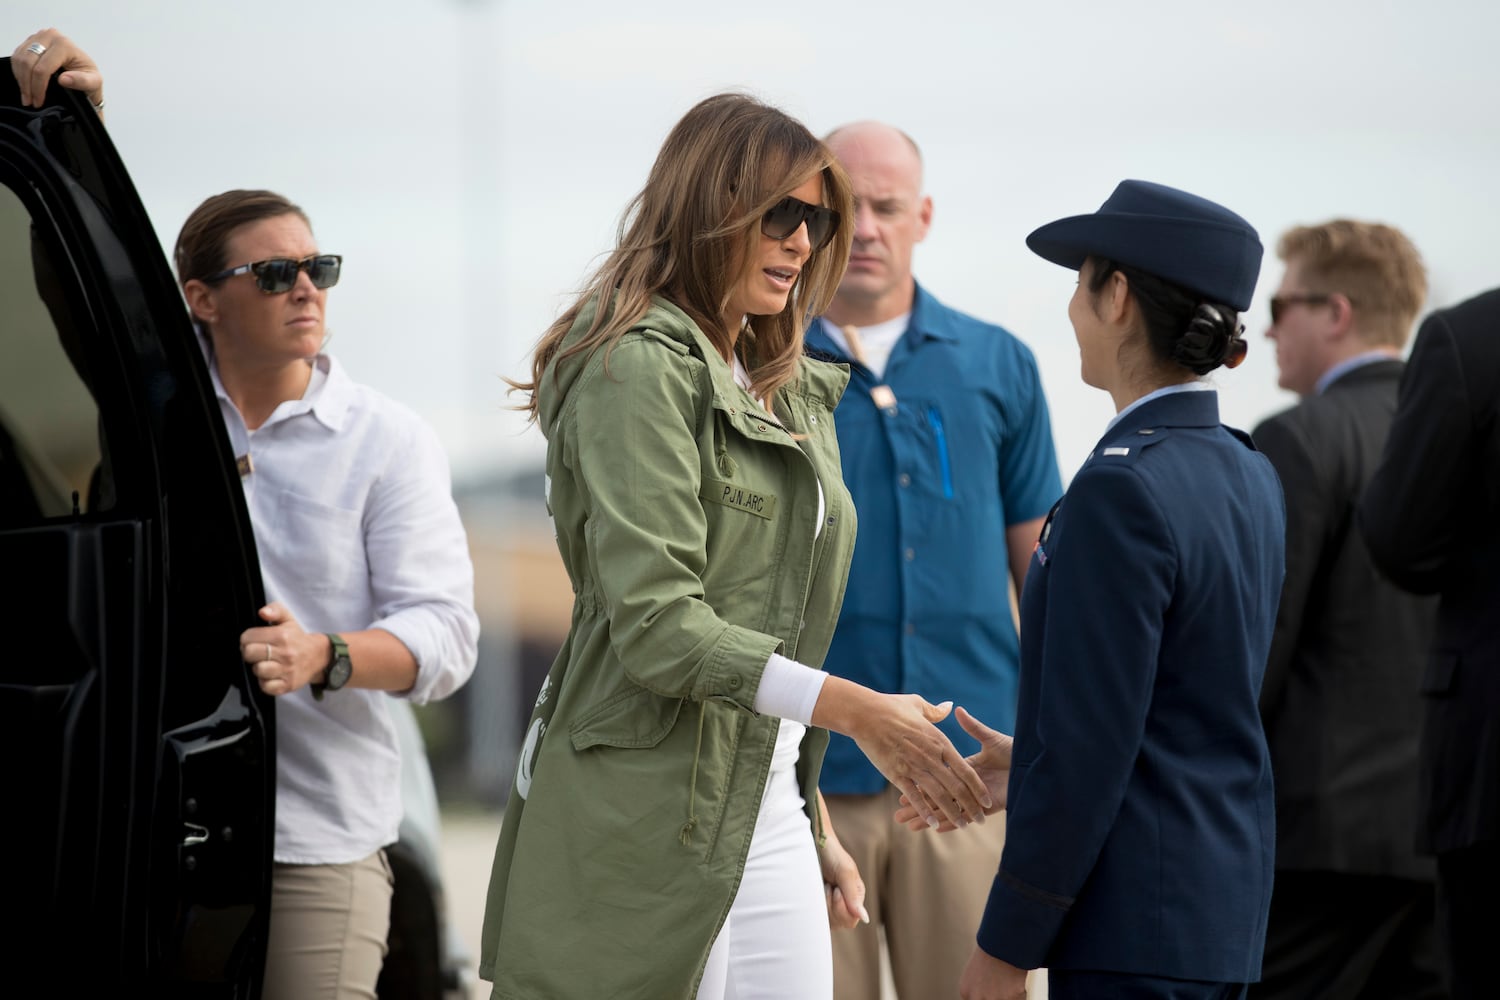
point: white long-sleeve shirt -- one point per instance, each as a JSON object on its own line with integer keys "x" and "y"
{"x": 353, "y": 514}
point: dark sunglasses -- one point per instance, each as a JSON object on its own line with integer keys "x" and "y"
{"x": 782, "y": 219}
{"x": 1281, "y": 303}
{"x": 279, "y": 274}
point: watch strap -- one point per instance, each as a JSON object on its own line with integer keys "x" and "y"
{"x": 338, "y": 649}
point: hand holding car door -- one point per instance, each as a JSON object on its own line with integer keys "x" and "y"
{"x": 43, "y": 53}
{"x": 366, "y": 567}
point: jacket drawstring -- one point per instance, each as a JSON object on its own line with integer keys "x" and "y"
{"x": 685, "y": 836}
{"x": 727, "y": 467}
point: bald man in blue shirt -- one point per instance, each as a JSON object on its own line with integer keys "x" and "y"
{"x": 947, "y": 449}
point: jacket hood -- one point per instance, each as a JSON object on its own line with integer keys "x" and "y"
{"x": 668, "y": 323}
{"x": 662, "y": 318}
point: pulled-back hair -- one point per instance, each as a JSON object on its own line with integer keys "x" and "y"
{"x": 204, "y": 239}
{"x": 1181, "y": 328}
{"x": 695, "y": 226}
{"x": 1375, "y": 265}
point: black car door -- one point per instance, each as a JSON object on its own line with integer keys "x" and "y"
{"x": 138, "y": 752}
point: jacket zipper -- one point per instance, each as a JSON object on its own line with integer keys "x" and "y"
{"x": 936, "y": 420}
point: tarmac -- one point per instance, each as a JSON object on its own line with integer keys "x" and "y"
{"x": 468, "y": 848}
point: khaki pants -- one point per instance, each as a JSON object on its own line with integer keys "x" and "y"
{"x": 328, "y": 930}
{"x": 926, "y": 889}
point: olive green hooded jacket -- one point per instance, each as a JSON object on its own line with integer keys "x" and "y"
{"x": 685, "y": 516}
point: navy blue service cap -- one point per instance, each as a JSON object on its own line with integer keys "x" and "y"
{"x": 1179, "y": 237}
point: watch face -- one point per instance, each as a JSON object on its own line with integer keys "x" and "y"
{"x": 338, "y": 673}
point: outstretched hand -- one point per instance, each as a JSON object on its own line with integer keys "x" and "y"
{"x": 32, "y": 69}
{"x": 991, "y": 763}
{"x": 907, "y": 747}
{"x": 899, "y": 735}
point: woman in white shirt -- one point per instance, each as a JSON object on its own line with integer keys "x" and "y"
{"x": 366, "y": 570}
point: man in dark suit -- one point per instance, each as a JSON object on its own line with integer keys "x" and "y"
{"x": 1353, "y": 910}
{"x": 1431, "y": 517}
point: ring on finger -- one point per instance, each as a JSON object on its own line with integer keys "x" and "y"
{"x": 269, "y": 657}
{"x": 36, "y": 49}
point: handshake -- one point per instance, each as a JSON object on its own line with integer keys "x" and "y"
{"x": 991, "y": 765}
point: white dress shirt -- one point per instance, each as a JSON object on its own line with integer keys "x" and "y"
{"x": 353, "y": 514}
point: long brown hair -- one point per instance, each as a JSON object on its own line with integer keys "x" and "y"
{"x": 694, "y": 226}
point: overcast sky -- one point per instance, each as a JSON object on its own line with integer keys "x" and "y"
{"x": 471, "y": 159}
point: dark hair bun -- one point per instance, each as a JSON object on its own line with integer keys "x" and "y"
{"x": 1212, "y": 338}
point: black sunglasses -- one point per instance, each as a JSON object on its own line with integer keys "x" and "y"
{"x": 782, "y": 219}
{"x": 1281, "y": 303}
{"x": 279, "y": 274}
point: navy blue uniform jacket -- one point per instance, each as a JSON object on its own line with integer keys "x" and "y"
{"x": 1141, "y": 827}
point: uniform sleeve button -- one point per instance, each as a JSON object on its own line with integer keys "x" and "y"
{"x": 734, "y": 682}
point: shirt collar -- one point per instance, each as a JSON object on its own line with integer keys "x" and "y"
{"x": 329, "y": 392}
{"x": 929, "y": 318}
{"x": 1348, "y": 365}
{"x": 1166, "y": 390}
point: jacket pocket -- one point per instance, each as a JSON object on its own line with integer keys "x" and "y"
{"x": 631, "y": 719}
{"x": 1437, "y": 679}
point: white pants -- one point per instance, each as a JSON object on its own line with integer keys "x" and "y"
{"x": 774, "y": 945}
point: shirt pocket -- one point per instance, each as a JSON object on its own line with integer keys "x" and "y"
{"x": 321, "y": 546}
{"x": 923, "y": 448}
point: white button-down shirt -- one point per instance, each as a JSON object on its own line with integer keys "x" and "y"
{"x": 352, "y": 508}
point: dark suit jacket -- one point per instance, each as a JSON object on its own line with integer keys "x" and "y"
{"x": 1340, "y": 696}
{"x": 1140, "y": 829}
{"x": 1431, "y": 517}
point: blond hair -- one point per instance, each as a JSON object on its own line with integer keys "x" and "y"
{"x": 1375, "y": 265}
{"x": 695, "y": 227}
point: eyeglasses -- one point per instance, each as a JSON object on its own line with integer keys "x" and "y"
{"x": 783, "y": 218}
{"x": 279, "y": 274}
{"x": 1281, "y": 303}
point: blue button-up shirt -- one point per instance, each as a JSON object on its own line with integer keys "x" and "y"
{"x": 965, "y": 452}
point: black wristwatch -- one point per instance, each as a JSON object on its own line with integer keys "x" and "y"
{"x": 339, "y": 668}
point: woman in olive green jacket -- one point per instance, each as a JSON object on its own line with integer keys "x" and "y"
{"x": 693, "y": 478}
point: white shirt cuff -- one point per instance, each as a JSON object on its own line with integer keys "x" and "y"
{"x": 789, "y": 690}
